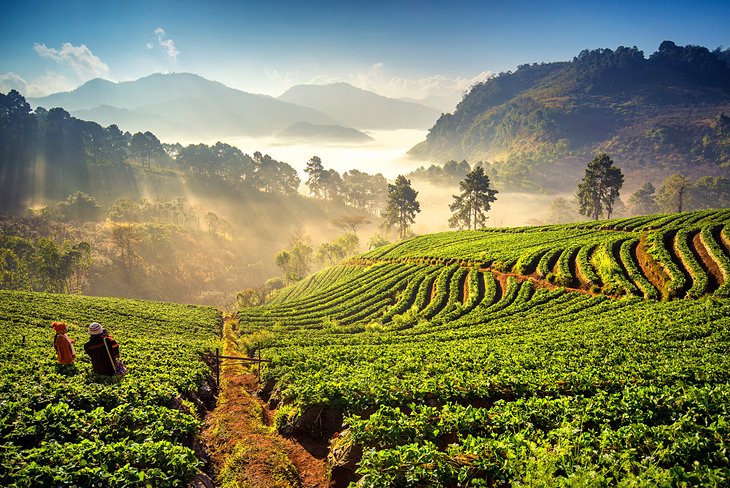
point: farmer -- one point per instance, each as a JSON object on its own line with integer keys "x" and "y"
{"x": 102, "y": 349}
{"x": 62, "y": 344}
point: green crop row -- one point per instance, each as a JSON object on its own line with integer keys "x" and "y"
{"x": 627, "y": 252}
{"x": 518, "y": 384}
{"x": 64, "y": 426}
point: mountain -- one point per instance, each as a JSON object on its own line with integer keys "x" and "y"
{"x": 323, "y": 133}
{"x": 361, "y": 109}
{"x": 665, "y": 113}
{"x": 181, "y": 104}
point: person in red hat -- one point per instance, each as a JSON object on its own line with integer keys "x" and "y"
{"x": 62, "y": 344}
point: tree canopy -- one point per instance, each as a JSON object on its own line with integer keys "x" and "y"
{"x": 402, "y": 206}
{"x": 475, "y": 199}
{"x": 599, "y": 188}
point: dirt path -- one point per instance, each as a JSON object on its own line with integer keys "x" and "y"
{"x": 243, "y": 447}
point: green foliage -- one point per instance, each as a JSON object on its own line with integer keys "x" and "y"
{"x": 661, "y": 111}
{"x": 473, "y": 201}
{"x": 512, "y": 383}
{"x": 672, "y": 196}
{"x": 643, "y": 201}
{"x": 80, "y": 207}
{"x": 66, "y": 426}
{"x": 599, "y": 188}
{"x": 43, "y": 264}
{"x": 402, "y": 206}
{"x": 377, "y": 241}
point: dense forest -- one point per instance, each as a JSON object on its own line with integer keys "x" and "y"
{"x": 96, "y": 210}
{"x": 669, "y": 112}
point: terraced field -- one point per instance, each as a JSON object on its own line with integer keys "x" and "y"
{"x": 585, "y": 354}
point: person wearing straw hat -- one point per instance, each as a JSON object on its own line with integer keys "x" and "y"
{"x": 62, "y": 344}
{"x": 102, "y": 349}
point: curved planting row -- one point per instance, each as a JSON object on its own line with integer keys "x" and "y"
{"x": 326, "y": 277}
{"x": 454, "y": 363}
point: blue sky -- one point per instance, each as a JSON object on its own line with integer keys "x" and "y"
{"x": 396, "y": 48}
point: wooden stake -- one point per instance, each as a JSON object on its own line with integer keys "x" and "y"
{"x": 217, "y": 368}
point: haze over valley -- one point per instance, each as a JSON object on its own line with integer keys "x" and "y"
{"x": 284, "y": 141}
{"x": 364, "y": 244}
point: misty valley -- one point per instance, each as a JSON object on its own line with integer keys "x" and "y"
{"x": 334, "y": 288}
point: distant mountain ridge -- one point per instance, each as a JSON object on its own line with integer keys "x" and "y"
{"x": 667, "y": 112}
{"x": 302, "y": 131}
{"x": 167, "y": 104}
{"x": 361, "y": 109}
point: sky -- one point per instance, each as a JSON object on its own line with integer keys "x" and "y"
{"x": 411, "y": 49}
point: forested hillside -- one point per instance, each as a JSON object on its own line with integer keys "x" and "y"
{"x": 92, "y": 209}
{"x": 668, "y": 112}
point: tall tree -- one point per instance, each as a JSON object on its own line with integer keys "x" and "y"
{"x": 643, "y": 201}
{"x": 710, "y": 192}
{"x": 314, "y": 170}
{"x": 475, "y": 199}
{"x": 402, "y": 206}
{"x": 561, "y": 211}
{"x": 295, "y": 262}
{"x": 146, "y": 146}
{"x": 600, "y": 187}
{"x": 672, "y": 195}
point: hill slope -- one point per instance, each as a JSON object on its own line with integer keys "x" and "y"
{"x": 457, "y": 352}
{"x": 361, "y": 109}
{"x": 662, "y": 112}
{"x": 195, "y": 107}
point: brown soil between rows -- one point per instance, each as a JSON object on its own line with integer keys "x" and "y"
{"x": 713, "y": 269}
{"x": 649, "y": 267}
{"x": 464, "y": 289}
{"x": 243, "y": 447}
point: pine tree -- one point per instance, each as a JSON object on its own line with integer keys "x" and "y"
{"x": 475, "y": 199}
{"x": 315, "y": 170}
{"x": 643, "y": 201}
{"x": 402, "y": 206}
{"x": 600, "y": 187}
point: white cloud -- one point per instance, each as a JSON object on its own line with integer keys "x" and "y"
{"x": 436, "y": 85}
{"x": 442, "y": 90}
{"x": 40, "y": 87}
{"x": 79, "y": 58}
{"x": 12, "y": 81}
{"x": 167, "y": 44}
{"x": 149, "y": 45}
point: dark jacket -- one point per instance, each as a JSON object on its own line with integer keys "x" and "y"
{"x": 100, "y": 362}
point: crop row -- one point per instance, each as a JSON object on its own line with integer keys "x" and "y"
{"x": 66, "y": 426}
{"x": 514, "y": 382}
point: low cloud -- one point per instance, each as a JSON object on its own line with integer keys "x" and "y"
{"x": 281, "y": 81}
{"x": 168, "y": 45}
{"x": 79, "y": 58}
{"x": 12, "y": 81}
{"x": 442, "y": 91}
{"x": 39, "y": 87}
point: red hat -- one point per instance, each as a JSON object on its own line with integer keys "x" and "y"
{"x": 59, "y": 327}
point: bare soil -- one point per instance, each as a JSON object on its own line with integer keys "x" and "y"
{"x": 714, "y": 273}
{"x": 650, "y": 268}
{"x": 243, "y": 447}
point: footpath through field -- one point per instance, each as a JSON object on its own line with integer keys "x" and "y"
{"x": 245, "y": 450}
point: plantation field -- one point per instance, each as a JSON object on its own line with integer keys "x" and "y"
{"x": 68, "y": 427}
{"x": 590, "y": 354}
